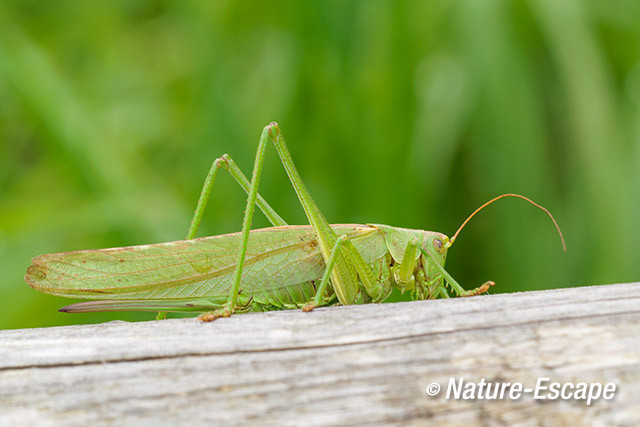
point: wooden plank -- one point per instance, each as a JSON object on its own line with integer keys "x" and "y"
{"x": 352, "y": 365}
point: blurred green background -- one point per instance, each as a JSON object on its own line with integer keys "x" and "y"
{"x": 408, "y": 113}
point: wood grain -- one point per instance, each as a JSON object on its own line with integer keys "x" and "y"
{"x": 352, "y": 365}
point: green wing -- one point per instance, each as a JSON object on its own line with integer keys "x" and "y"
{"x": 277, "y": 257}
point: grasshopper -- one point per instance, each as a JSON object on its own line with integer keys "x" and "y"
{"x": 276, "y": 268}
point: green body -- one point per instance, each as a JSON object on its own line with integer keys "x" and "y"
{"x": 274, "y": 268}
{"x": 282, "y": 270}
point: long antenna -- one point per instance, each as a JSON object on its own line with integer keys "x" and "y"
{"x": 450, "y": 242}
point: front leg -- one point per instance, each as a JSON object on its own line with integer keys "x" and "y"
{"x": 453, "y": 283}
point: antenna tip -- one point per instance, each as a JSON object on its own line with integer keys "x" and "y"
{"x": 564, "y": 247}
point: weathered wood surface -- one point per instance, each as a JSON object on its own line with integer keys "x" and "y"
{"x": 338, "y": 366}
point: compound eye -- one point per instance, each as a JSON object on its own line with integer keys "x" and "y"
{"x": 438, "y": 245}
